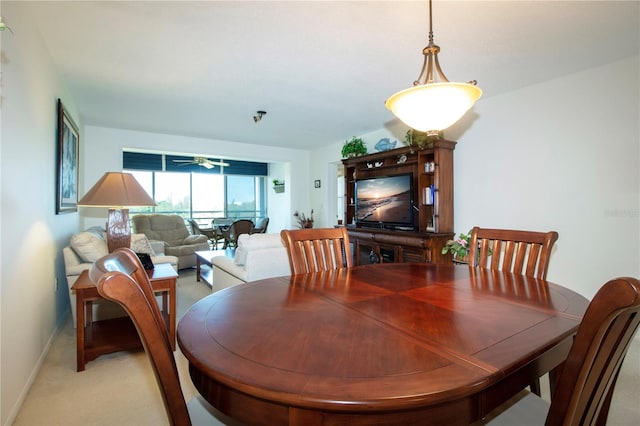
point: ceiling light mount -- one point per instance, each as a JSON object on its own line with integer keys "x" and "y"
{"x": 258, "y": 116}
{"x": 433, "y": 103}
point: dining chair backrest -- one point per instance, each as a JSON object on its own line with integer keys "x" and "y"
{"x": 522, "y": 252}
{"x": 121, "y": 278}
{"x": 317, "y": 249}
{"x": 212, "y": 233}
{"x": 237, "y": 228}
{"x": 261, "y": 226}
{"x": 221, "y": 222}
{"x": 195, "y": 228}
{"x": 587, "y": 380}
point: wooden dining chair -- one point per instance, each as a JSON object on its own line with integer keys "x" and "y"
{"x": 210, "y": 233}
{"x": 317, "y": 249}
{"x": 521, "y": 252}
{"x": 588, "y": 377}
{"x": 237, "y": 228}
{"x": 261, "y": 226}
{"x": 121, "y": 278}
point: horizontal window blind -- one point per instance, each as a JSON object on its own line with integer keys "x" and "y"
{"x": 141, "y": 161}
{"x": 153, "y": 162}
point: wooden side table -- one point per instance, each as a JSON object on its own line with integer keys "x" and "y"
{"x": 95, "y": 338}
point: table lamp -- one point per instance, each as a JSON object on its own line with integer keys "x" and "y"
{"x": 117, "y": 191}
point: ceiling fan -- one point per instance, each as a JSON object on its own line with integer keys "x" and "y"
{"x": 201, "y": 161}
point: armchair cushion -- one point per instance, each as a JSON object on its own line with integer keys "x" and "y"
{"x": 173, "y": 232}
{"x": 195, "y": 239}
{"x": 185, "y": 250}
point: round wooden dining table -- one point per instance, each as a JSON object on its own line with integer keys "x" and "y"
{"x": 395, "y": 344}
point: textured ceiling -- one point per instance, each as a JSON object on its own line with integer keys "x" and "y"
{"x": 322, "y": 70}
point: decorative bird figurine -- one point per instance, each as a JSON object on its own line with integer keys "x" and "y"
{"x": 384, "y": 144}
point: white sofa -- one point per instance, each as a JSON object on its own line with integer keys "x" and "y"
{"x": 88, "y": 246}
{"x": 257, "y": 256}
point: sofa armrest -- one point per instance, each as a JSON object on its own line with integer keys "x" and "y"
{"x": 76, "y": 269}
{"x": 195, "y": 239}
{"x": 227, "y": 264}
{"x": 226, "y": 273}
{"x": 73, "y": 265}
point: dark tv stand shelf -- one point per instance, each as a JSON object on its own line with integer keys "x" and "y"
{"x": 371, "y": 245}
{"x": 432, "y": 172}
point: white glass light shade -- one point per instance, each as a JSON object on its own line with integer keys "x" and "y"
{"x": 433, "y": 106}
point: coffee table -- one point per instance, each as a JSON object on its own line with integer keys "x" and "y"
{"x": 205, "y": 257}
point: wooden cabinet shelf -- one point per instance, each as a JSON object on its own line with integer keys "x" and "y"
{"x": 382, "y": 246}
{"x": 432, "y": 171}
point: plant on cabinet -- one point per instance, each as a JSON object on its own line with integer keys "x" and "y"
{"x": 353, "y": 148}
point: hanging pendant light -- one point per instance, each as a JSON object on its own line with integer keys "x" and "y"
{"x": 431, "y": 106}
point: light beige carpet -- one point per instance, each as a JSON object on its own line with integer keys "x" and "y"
{"x": 115, "y": 389}
{"x": 119, "y": 389}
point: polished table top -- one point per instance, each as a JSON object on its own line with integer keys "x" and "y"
{"x": 388, "y": 342}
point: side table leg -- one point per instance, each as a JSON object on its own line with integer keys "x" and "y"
{"x": 79, "y": 331}
{"x": 88, "y": 334}
{"x": 172, "y": 315}
{"x": 197, "y": 268}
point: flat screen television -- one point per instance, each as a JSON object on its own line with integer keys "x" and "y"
{"x": 385, "y": 202}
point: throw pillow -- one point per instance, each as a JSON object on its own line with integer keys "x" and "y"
{"x": 140, "y": 244}
{"x": 88, "y": 246}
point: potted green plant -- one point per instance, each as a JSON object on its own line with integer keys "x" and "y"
{"x": 353, "y": 147}
{"x": 459, "y": 247}
{"x": 304, "y": 221}
{"x": 421, "y": 140}
{"x": 278, "y": 186}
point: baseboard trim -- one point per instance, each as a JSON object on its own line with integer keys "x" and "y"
{"x": 36, "y": 370}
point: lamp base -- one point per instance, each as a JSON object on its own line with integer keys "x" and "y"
{"x": 118, "y": 230}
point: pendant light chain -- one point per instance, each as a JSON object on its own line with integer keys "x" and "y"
{"x": 430, "y": 25}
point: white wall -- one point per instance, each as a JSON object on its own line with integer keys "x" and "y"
{"x": 562, "y": 155}
{"x": 31, "y": 234}
{"x": 103, "y": 152}
{"x": 328, "y": 158}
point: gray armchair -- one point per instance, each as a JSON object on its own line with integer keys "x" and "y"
{"x": 172, "y": 230}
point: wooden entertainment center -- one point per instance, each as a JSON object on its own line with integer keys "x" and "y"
{"x": 432, "y": 171}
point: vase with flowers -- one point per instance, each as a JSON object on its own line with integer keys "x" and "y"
{"x": 459, "y": 247}
{"x": 303, "y": 220}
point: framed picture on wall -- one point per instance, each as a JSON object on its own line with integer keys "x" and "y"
{"x": 67, "y": 176}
